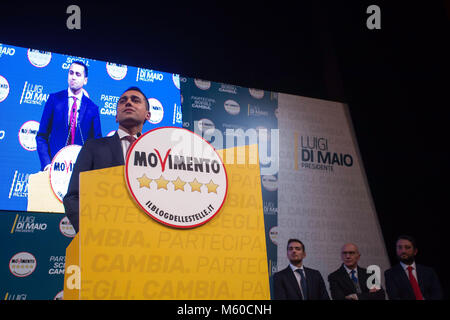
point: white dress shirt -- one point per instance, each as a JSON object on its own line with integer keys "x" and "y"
{"x": 297, "y": 275}
{"x": 350, "y": 270}
{"x": 124, "y": 142}
{"x": 413, "y": 271}
{"x": 405, "y": 267}
{"x": 70, "y": 103}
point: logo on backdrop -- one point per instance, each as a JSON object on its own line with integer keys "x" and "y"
{"x": 177, "y": 114}
{"x": 270, "y": 183}
{"x": 33, "y": 94}
{"x": 147, "y": 75}
{"x": 19, "y": 185}
{"x": 270, "y": 207}
{"x": 61, "y": 169}
{"x": 176, "y": 80}
{"x": 312, "y": 152}
{"x": 202, "y": 84}
{"x": 256, "y": 110}
{"x": 110, "y": 104}
{"x": 59, "y": 295}
{"x": 4, "y": 88}
{"x": 56, "y": 264}
{"x": 7, "y": 51}
{"x": 15, "y": 296}
{"x": 27, "y": 135}
{"x": 70, "y": 59}
{"x": 22, "y": 264}
{"x": 232, "y": 107}
{"x": 66, "y": 228}
{"x": 27, "y": 224}
{"x": 116, "y": 71}
{"x": 204, "y": 103}
{"x": 228, "y": 88}
{"x": 156, "y": 110}
{"x": 176, "y": 177}
{"x": 205, "y": 124}
{"x": 273, "y": 235}
{"x": 39, "y": 59}
{"x": 256, "y": 93}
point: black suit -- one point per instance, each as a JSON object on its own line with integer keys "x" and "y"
{"x": 398, "y": 286}
{"x": 286, "y": 286}
{"x": 342, "y": 285}
{"x": 95, "y": 154}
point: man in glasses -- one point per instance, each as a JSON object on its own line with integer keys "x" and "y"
{"x": 349, "y": 282}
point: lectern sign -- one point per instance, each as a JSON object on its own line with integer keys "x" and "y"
{"x": 61, "y": 169}
{"x": 176, "y": 177}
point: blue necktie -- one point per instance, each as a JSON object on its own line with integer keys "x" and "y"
{"x": 355, "y": 280}
{"x": 303, "y": 283}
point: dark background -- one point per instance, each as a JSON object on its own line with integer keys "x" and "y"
{"x": 393, "y": 80}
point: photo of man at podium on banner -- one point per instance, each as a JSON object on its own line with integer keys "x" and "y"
{"x": 132, "y": 112}
{"x": 69, "y": 117}
{"x": 68, "y": 120}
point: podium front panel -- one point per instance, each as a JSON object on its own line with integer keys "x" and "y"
{"x": 125, "y": 254}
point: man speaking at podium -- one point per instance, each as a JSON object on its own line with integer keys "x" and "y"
{"x": 132, "y": 112}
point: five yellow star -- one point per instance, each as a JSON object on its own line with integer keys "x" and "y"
{"x": 178, "y": 184}
{"x": 162, "y": 183}
{"x": 144, "y": 181}
{"x": 195, "y": 186}
{"x": 212, "y": 187}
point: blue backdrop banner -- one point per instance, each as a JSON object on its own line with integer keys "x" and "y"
{"x": 28, "y": 77}
{"x": 229, "y": 115}
{"x": 33, "y": 254}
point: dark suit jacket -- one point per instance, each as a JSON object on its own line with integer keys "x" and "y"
{"x": 341, "y": 285}
{"x": 54, "y": 125}
{"x": 286, "y": 286}
{"x": 398, "y": 286}
{"x": 95, "y": 154}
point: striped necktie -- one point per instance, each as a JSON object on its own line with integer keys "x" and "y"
{"x": 130, "y": 139}
{"x": 303, "y": 283}
{"x": 73, "y": 120}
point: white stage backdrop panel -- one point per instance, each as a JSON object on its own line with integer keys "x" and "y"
{"x": 323, "y": 196}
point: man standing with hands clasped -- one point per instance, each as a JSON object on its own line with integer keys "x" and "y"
{"x": 349, "y": 282}
{"x": 297, "y": 282}
{"x": 132, "y": 112}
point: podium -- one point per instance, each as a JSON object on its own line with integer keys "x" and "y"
{"x": 121, "y": 253}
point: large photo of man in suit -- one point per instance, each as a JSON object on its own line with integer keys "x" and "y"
{"x": 69, "y": 117}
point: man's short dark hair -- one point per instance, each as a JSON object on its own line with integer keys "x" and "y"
{"x": 81, "y": 63}
{"x": 409, "y": 238}
{"x": 139, "y": 90}
{"x": 295, "y": 240}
